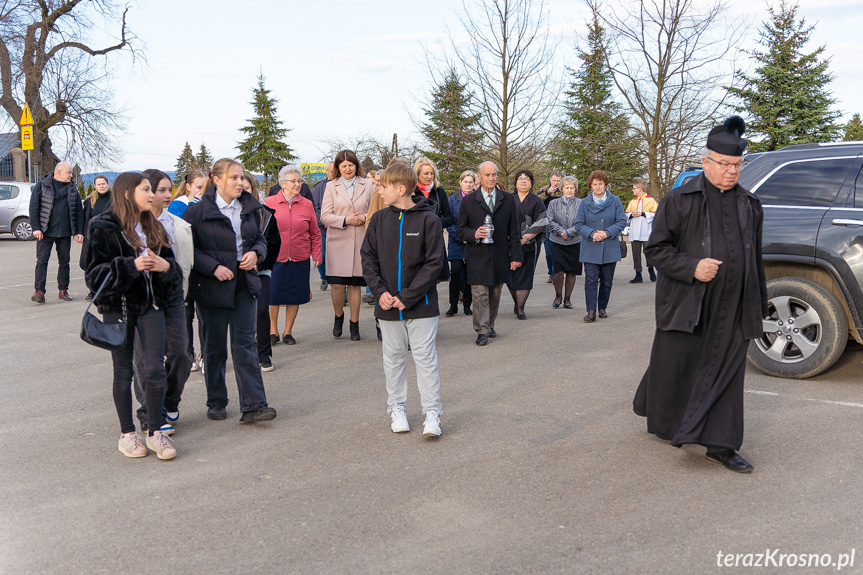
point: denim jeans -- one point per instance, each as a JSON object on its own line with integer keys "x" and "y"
{"x": 242, "y": 324}
{"x": 598, "y": 277}
{"x": 43, "y": 254}
{"x": 265, "y": 348}
{"x": 177, "y": 363}
{"x": 146, "y": 335}
{"x": 322, "y": 270}
{"x": 548, "y": 262}
{"x": 420, "y": 334}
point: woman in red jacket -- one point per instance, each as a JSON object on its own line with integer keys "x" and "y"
{"x": 301, "y": 240}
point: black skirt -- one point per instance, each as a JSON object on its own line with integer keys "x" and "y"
{"x": 349, "y": 281}
{"x": 522, "y": 277}
{"x": 290, "y": 283}
{"x": 566, "y": 258}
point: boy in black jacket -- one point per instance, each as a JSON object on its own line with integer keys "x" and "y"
{"x": 402, "y": 257}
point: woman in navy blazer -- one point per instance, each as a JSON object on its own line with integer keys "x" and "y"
{"x": 599, "y": 220}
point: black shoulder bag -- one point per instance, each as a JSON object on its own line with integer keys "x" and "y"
{"x": 110, "y": 336}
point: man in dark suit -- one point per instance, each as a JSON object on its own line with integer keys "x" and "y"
{"x": 488, "y": 265}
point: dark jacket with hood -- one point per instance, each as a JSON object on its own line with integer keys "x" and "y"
{"x": 215, "y": 245}
{"x": 439, "y": 204}
{"x": 109, "y": 250}
{"x": 681, "y": 238}
{"x": 270, "y": 229}
{"x": 42, "y": 203}
{"x": 403, "y": 254}
{"x": 103, "y": 204}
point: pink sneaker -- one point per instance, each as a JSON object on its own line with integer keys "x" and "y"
{"x": 130, "y": 445}
{"x": 161, "y": 444}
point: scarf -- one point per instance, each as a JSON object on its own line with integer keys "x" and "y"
{"x": 349, "y": 186}
{"x": 425, "y": 189}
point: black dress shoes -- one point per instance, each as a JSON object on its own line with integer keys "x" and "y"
{"x": 603, "y": 314}
{"x": 260, "y": 414}
{"x": 451, "y": 311}
{"x": 274, "y": 338}
{"x": 591, "y": 316}
{"x": 217, "y": 413}
{"x": 652, "y": 274}
{"x": 289, "y": 339}
{"x": 482, "y": 339}
{"x": 730, "y": 460}
{"x": 492, "y": 333}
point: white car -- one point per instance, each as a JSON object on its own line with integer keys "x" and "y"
{"x": 15, "y": 209}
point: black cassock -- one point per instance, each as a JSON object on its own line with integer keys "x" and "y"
{"x": 692, "y": 391}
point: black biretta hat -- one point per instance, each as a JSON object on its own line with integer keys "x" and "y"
{"x": 726, "y": 140}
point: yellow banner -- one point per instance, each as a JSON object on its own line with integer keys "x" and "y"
{"x": 314, "y": 172}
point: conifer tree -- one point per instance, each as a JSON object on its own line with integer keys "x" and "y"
{"x": 594, "y": 133}
{"x": 204, "y": 160}
{"x": 786, "y": 100}
{"x": 451, "y": 130}
{"x": 854, "y": 129}
{"x": 263, "y": 150}
{"x": 185, "y": 162}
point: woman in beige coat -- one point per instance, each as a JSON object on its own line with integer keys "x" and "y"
{"x": 343, "y": 211}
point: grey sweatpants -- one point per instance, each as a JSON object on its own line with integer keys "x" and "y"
{"x": 420, "y": 334}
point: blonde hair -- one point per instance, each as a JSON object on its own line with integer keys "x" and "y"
{"x": 192, "y": 177}
{"x": 220, "y": 169}
{"x": 422, "y": 162}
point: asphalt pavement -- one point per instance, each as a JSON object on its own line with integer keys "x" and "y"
{"x": 542, "y": 466}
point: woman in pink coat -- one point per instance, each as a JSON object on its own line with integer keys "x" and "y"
{"x": 343, "y": 211}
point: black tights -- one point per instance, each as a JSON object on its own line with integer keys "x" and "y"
{"x": 563, "y": 281}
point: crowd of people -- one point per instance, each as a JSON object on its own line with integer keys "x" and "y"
{"x": 220, "y": 248}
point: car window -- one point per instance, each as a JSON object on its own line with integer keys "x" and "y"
{"x": 858, "y": 191}
{"x": 8, "y": 192}
{"x": 805, "y": 183}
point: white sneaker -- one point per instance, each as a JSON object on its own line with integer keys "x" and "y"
{"x": 431, "y": 427}
{"x": 398, "y": 420}
{"x": 130, "y": 445}
{"x": 161, "y": 444}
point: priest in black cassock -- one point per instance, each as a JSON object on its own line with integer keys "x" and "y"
{"x": 710, "y": 298}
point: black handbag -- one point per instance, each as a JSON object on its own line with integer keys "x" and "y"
{"x": 110, "y": 336}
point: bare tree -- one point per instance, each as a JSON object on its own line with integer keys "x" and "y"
{"x": 507, "y": 59}
{"x": 47, "y": 62}
{"x": 373, "y": 152}
{"x": 670, "y": 60}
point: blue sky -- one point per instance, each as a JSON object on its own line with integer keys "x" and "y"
{"x": 342, "y": 68}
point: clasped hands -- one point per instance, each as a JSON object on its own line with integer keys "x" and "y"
{"x": 389, "y": 301}
{"x": 150, "y": 263}
{"x": 355, "y": 219}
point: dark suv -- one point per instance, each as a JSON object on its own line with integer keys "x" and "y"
{"x": 813, "y": 254}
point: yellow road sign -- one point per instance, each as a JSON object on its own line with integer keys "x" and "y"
{"x": 26, "y": 117}
{"x": 26, "y": 137}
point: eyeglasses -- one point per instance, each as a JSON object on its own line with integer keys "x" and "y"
{"x": 726, "y": 165}
{"x": 292, "y": 182}
{"x": 523, "y": 180}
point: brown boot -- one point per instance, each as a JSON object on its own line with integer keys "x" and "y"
{"x": 64, "y": 295}
{"x": 38, "y": 296}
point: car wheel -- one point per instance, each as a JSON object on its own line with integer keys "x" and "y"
{"x": 805, "y": 333}
{"x": 21, "y": 229}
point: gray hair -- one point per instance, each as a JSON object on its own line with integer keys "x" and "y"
{"x": 290, "y": 169}
{"x": 569, "y": 180}
{"x": 479, "y": 169}
{"x": 705, "y": 152}
{"x": 557, "y": 173}
{"x": 467, "y": 173}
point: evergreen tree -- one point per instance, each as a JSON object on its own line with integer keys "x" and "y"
{"x": 263, "y": 150}
{"x": 204, "y": 160}
{"x": 185, "y": 162}
{"x": 594, "y": 133}
{"x": 452, "y": 132}
{"x": 786, "y": 98}
{"x": 854, "y": 129}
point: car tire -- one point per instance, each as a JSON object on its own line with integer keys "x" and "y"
{"x": 21, "y": 229}
{"x": 806, "y": 333}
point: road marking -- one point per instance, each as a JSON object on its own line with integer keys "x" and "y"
{"x": 827, "y": 401}
{"x": 31, "y": 283}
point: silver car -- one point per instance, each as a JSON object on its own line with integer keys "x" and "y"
{"x": 15, "y": 209}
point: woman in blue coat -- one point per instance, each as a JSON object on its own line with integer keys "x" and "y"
{"x": 599, "y": 220}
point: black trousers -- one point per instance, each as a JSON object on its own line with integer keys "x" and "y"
{"x": 636, "y": 255}
{"x": 43, "y": 254}
{"x": 458, "y": 283}
{"x": 265, "y": 348}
